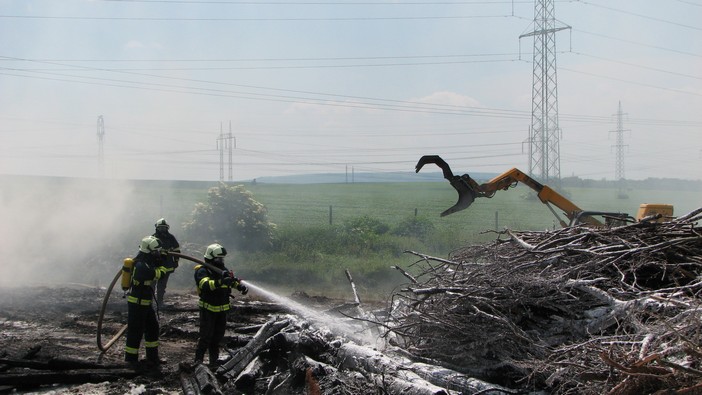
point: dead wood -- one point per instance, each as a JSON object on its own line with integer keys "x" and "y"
{"x": 206, "y": 381}
{"x": 246, "y": 380}
{"x": 393, "y": 372}
{"x": 244, "y": 355}
{"x": 541, "y": 308}
{"x": 33, "y": 379}
{"x": 188, "y": 384}
{"x": 57, "y": 364}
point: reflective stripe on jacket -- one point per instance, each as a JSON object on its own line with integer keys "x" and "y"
{"x": 147, "y": 270}
{"x": 214, "y": 296}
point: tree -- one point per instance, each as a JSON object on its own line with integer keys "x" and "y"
{"x": 231, "y": 217}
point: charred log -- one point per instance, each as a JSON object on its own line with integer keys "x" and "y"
{"x": 40, "y": 378}
{"x": 243, "y": 356}
{"x": 206, "y": 381}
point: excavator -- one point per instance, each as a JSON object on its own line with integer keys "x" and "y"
{"x": 468, "y": 190}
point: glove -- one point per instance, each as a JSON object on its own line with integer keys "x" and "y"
{"x": 242, "y": 288}
{"x": 228, "y": 281}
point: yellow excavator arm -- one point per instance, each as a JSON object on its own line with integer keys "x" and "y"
{"x": 468, "y": 189}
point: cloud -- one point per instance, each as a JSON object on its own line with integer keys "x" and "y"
{"x": 449, "y": 99}
{"x": 131, "y": 44}
{"x": 136, "y": 44}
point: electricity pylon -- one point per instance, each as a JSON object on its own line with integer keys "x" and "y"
{"x": 101, "y": 152}
{"x": 619, "y": 148}
{"x": 228, "y": 142}
{"x": 544, "y": 132}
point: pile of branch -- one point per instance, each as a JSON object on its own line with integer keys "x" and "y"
{"x": 574, "y": 310}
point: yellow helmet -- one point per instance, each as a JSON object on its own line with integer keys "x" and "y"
{"x": 149, "y": 244}
{"x": 215, "y": 251}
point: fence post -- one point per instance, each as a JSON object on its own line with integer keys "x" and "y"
{"x": 330, "y": 214}
{"x": 415, "y": 212}
{"x": 496, "y": 224}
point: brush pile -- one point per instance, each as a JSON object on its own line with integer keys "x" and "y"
{"x": 571, "y": 311}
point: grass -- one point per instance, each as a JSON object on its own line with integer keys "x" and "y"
{"x": 318, "y": 209}
{"x": 307, "y": 214}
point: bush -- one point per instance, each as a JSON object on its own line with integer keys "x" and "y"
{"x": 231, "y": 217}
{"x": 365, "y": 226}
{"x": 414, "y": 227}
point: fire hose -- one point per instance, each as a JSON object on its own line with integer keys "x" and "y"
{"x": 120, "y": 332}
{"x": 123, "y": 329}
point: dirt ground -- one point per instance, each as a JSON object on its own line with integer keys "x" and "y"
{"x": 61, "y": 322}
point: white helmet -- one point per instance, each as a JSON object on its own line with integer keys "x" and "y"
{"x": 215, "y": 251}
{"x": 161, "y": 223}
{"x": 149, "y": 244}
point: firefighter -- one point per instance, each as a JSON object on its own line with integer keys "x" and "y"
{"x": 214, "y": 288}
{"x": 142, "y": 320}
{"x": 169, "y": 244}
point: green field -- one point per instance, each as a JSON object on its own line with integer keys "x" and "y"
{"x": 305, "y": 205}
{"x": 111, "y": 216}
{"x": 298, "y": 207}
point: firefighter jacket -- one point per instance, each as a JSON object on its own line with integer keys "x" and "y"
{"x": 147, "y": 269}
{"x": 169, "y": 244}
{"x": 214, "y": 295}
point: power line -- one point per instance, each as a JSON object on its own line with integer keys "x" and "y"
{"x": 633, "y": 82}
{"x": 640, "y": 15}
{"x": 640, "y": 44}
{"x": 329, "y": 3}
{"x": 639, "y": 66}
{"x": 220, "y": 19}
{"x": 304, "y": 59}
{"x": 383, "y": 104}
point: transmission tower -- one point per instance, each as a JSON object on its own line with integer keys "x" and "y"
{"x": 224, "y": 142}
{"x": 220, "y": 146}
{"x": 544, "y": 132}
{"x": 619, "y": 148}
{"x": 231, "y": 146}
{"x": 101, "y": 152}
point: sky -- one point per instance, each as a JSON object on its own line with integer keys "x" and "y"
{"x": 305, "y": 87}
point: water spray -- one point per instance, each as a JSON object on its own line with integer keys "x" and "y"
{"x": 358, "y": 333}
{"x": 302, "y": 310}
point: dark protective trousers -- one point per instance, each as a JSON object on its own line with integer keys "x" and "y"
{"x": 141, "y": 322}
{"x": 161, "y": 289}
{"x": 212, "y": 328}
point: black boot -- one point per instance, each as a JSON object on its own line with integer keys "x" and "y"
{"x": 214, "y": 358}
{"x": 199, "y": 356}
{"x": 152, "y": 359}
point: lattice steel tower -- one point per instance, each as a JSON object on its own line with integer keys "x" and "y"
{"x": 619, "y": 148}
{"x": 101, "y": 152}
{"x": 544, "y": 132}
{"x": 226, "y": 141}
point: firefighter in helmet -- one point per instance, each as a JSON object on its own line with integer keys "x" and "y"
{"x": 169, "y": 244}
{"x": 214, "y": 288}
{"x": 142, "y": 321}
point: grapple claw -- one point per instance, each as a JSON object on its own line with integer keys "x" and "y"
{"x": 435, "y": 159}
{"x": 466, "y": 194}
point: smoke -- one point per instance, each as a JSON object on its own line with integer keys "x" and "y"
{"x": 62, "y": 230}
